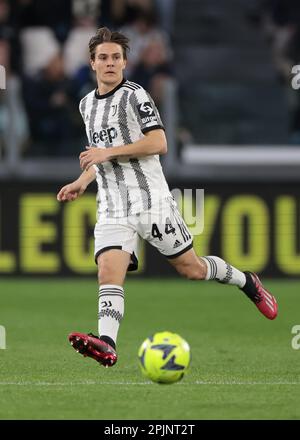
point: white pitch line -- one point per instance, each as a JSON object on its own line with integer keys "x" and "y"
{"x": 58, "y": 384}
{"x": 198, "y": 382}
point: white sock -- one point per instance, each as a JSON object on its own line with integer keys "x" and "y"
{"x": 219, "y": 270}
{"x": 111, "y": 310}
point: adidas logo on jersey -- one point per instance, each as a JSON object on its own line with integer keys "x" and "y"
{"x": 176, "y": 244}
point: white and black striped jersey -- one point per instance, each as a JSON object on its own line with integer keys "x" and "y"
{"x": 121, "y": 117}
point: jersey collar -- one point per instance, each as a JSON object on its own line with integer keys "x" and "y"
{"x": 106, "y": 95}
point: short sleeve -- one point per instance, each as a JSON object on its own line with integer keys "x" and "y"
{"x": 82, "y": 107}
{"x": 145, "y": 111}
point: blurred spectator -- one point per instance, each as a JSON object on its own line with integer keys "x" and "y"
{"x": 282, "y": 26}
{"x": 13, "y": 130}
{"x": 76, "y": 53}
{"x": 6, "y": 30}
{"x": 55, "y": 14}
{"x": 118, "y": 13}
{"x": 141, "y": 32}
{"x": 52, "y": 58}
{"x": 86, "y": 12}
{"x": 39, "y": 44}
{"x": 281, "y": 21}
{"x": 153, "y": 68}
{"x": 166, "y": 10}
{"x": 142, "y": 5}
{"x": 82, "y": 82}
{"x": 7, "y": 33}
{"x": 49, "y": 106}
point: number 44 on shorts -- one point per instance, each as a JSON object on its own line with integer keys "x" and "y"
{"x": 169, "y": 229}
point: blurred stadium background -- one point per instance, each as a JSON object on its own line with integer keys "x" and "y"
{"x": 221, "y": 74}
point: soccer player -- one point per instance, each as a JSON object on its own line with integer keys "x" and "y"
{"x": 126, "y": 137}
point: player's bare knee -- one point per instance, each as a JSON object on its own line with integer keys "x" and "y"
{"x": 105, "y": 275}
{"x": 102, "y": 279}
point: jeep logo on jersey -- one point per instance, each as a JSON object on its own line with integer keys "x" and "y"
{"x": 146, "y": 112}
{"x": 107, "y": 135}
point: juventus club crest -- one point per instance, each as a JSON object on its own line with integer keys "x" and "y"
{"x": 114, "y": 109}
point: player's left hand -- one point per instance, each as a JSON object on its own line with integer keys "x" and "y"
{"x": 92, "y": 156}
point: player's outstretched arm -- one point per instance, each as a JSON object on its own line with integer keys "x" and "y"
{"x": 73, "y": 190}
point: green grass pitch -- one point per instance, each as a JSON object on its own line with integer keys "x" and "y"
{"x": 243, "y": 365}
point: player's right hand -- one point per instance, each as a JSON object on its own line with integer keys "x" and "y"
{"x": 70, "y": 192}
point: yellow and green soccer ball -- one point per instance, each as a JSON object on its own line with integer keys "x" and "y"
{"x": 164, "y": 357}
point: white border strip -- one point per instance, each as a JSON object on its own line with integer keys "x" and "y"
{"x": 246, "y": 155}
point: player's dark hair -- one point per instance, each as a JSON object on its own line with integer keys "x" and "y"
{"x": 105, "y": 35}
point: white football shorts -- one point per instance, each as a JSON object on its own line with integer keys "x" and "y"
{"x": 162, "y": 226}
